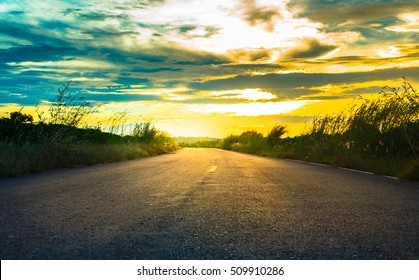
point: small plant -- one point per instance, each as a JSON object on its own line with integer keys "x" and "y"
{"x": 69, "y": 109}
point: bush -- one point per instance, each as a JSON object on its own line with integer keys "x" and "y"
{"x": 274, "y": 136}
{"x": 249, "y": 141}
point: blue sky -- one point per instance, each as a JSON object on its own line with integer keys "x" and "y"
{"x": 207, "y": 67}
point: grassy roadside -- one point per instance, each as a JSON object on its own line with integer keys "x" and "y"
{"x": 295, "y": 148}
{"x": 20, "y": 159}
{"x": 33, "y": 150}
{"x": 379, "y": 136}
{"x": 62, "y": 139}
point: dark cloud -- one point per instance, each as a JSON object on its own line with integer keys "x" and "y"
{"x": 176, "y": 54}
{"x": 354, "y": 11}
{"x": 99, "y": 15}
{"x": 373, "y": 33}
{"x": 29, "y": 33}
{"x": 294, "y": 85}
{"x": 257, "y": 15}
{"x": 183, "y": 29}
{"x": 102, "y": 33}
{"x": 35, "y": 53}
{"x": 54, "y": 24}
{"x": 250, "y": 55}
{"x": 161, "y": 56}
{"x": 210, "y": 31}
{"x": 152, "y": 58}
{"x": 127, "y": 80}
{"x": 16, "y": 12}
{"x": 350, "y": 61}
{"x": 155, "y": 70}
{"x": 186, "y": 30}
{"x": 311, "y": 49}
{"x": 242, "y": 68}
{"x": 112, "y": 97}
{"x": 70, "y": 11}
{"x": 146, "y": 3}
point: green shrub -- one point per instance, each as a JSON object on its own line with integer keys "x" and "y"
{"x": 274, "y": 136}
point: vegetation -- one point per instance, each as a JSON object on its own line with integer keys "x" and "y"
{"x": 198, "y": 142}
{"x": 381, "y": 135}
{"x": 60, "y": 138}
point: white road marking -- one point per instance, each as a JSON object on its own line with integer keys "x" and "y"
{"x": 369, "y": 173}
{"x": 343, "y": 168}
{"x": 213, "y": 168}
{"x": 391, "y": 177}
{"x": 309, "y": 162}
{"x": 358, "y": 171}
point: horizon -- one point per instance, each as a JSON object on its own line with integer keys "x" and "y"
{"x": 207, "y": 69}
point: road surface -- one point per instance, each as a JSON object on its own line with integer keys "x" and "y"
{"x": 208, "y": 204}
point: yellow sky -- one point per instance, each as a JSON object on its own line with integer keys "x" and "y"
{"x": 208, "y": 68}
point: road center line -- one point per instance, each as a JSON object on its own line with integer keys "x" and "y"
{"x": 213, "y": 168}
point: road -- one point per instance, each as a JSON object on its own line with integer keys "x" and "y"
{"x": 208, "y": 204}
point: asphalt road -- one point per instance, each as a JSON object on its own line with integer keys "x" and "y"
{"x": 208, "y": 204}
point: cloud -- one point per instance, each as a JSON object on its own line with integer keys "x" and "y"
{"x": 35, "y": 53}
{"x": 408, "y": 49}
{"x": 405, "y": 50}
{"x": 179, "y": 53}
{"x": 192, "y": 31}
{"x": 95, "y": 15}
{"x": 28, "y": 33}
{"x": 251, "y": 55}
{"x": 103, "y": 33}
{"x": 311, "y": 48}
{"x": 295, "y": 85}
{"x": 259, "y": 15}
{"x": 350, "y": 14}
{"x": 373, "y": 24}
{"x": 411, "y": 23}
{"x": 120, "y": 98}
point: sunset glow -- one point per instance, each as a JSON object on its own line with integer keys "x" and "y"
{"x": 207, "y": 68}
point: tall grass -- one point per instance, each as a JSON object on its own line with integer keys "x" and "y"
{"x": 57, "y": 140}
{"x": 69, "y": 109}
{"x": 380, "y": 135}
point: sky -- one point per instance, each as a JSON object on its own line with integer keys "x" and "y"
{"x": 207, "y": 68}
